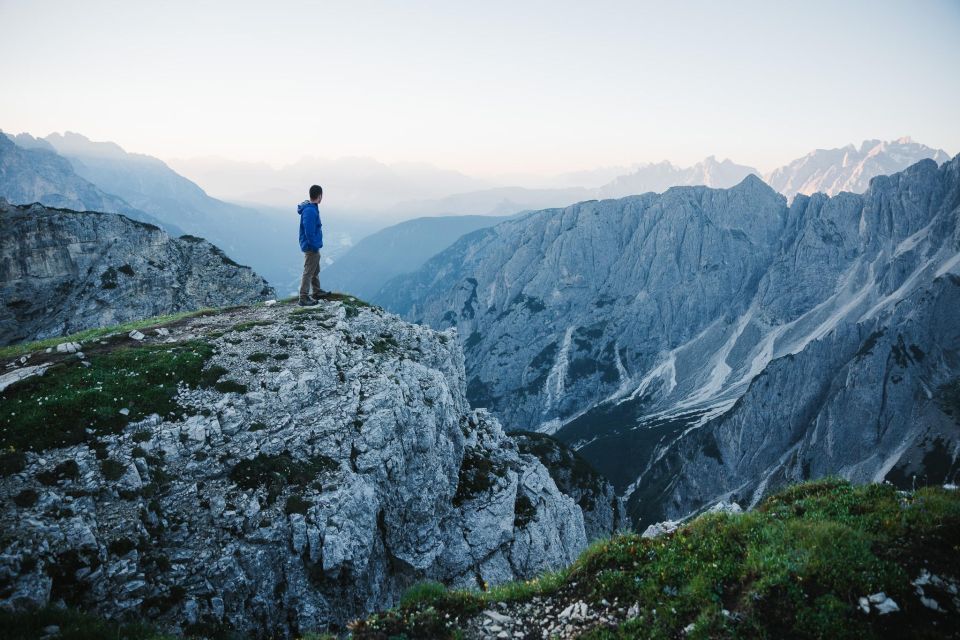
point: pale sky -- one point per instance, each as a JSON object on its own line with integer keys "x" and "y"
{"x": 484, "y": 87}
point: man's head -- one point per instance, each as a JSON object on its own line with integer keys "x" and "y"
{"x": 316, "y": 193}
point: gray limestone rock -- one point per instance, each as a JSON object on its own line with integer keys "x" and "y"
{"x": 711, "y": 344}
{"x": 64, "y": 271}
{"x": 403, "y": 482}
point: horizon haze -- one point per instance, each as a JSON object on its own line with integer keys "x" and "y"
{"x": 494, "y": 92}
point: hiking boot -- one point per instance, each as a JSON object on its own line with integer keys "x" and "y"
{"x": 308, "y": 303}
{"x": 323, "y": 294}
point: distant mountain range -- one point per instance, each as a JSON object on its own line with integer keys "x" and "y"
{"x": 401, "y": 248}
{"x": 395, "y": 252}
{"x": 849, "y": 168}
{"x": 661, "y": 176}
{"x": 72, "y": 171}
{"x": 32, "y": 171}
{"x": 705, "y": 344}
{"x": 356, "y": 184}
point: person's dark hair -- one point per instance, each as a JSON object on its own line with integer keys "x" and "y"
{"x": 316, "y": 191}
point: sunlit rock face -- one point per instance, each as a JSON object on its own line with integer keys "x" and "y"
{"x": 706, "y": 344}
{"x": 849, "y": 168}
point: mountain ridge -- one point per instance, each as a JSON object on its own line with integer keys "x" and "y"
{"x": 660, "y": 310}
{"x": 62, "y": 271}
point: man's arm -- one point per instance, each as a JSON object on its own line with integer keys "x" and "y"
{"x": 311, "y": 228}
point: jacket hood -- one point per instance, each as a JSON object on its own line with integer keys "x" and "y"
{"x": 303, "y": 205}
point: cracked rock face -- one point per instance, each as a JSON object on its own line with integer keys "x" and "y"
{"x": 712, "y": 344}
{"x": 342, "y": 465}
{"x": 64, "y": 271}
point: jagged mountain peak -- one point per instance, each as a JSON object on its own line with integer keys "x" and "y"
{"x": 849, "y": 168}
{"x": 657, "y": 312}
{"x": 72, "y": 143}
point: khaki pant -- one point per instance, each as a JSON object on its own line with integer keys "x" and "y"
{"x": 311, "y": 275}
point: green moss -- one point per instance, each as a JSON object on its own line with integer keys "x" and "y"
{"x": 423, "y": 593}
{"x": 55, "y": 409}
{"x": 67, "y": 470}
{"x": 296, "y": 504}
{"x": 74, "y": 625}
{"x": 257, "y": 426}
{"x": 278, "y": 471}
{"x": 26, "y": 498}
{"x": 112, "y": 470}
{"x": 258, "y": 357}
{"x": 108, "y": 279}
{"x": 121, "y": 546}
{"x": 230, "y": 386}
{"x": 12, "y": 462}
{"x": 384, "y": 343}
{"x": 141, "y": 436}
{"x": 478, "y": 474}
{"x": 523, "y": 511}
{"x": 241, "y": 327}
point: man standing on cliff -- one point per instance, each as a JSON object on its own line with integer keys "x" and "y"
{"x": 311, "y": 241}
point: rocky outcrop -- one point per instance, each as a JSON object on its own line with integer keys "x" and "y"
{"x": 266, "y": 242}
{"x": 64, "y": 271}
{"x": 328, "y": 461}
{"x": 628, "y": 327}
{"x": 603, "y": 510}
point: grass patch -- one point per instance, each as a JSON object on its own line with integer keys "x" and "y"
{"x": 241, "y": 327}
{"x": 523, "y": 511}
{"x": 384, "y": 343}
{"x": 67, "y": 470}
{"x": 258, "y": 356}
{"x": 26, "y": 498}
{"x": 74, "y": 625}
{"x": 296, "y": 504}
{"x": 11, "y": 462}
{"x": 121, "y": 546}
{"x": 423, "y": 593}
{"x": 100, "y": 332}
{"x": 55, "y": 409}
{"x": 112, "y": 470}
{"x": 277, "y": 472}
{"x": 230, "y": 386}
{"x": 478, "y": 474}
{"x": 793, "y": 568}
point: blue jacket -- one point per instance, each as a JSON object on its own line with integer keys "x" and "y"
{"x": 311, "y": 230}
